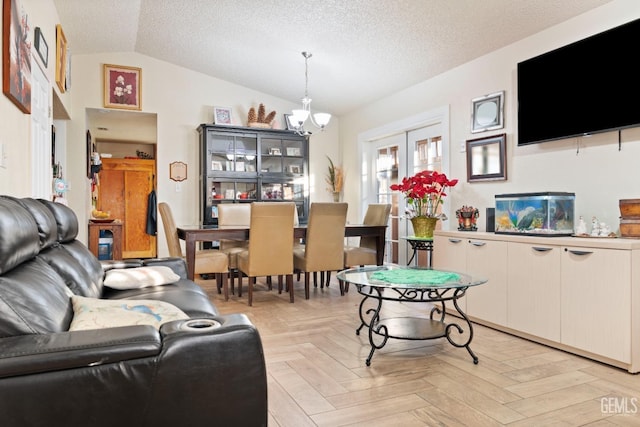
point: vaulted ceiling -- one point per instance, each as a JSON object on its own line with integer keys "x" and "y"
{"x": 362, "y": 50}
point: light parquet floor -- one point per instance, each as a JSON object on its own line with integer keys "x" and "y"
{"x": 317, "y": 374}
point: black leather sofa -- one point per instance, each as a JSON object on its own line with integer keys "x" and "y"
{"x": 205, "y": 370}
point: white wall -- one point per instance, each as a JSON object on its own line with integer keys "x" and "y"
{"x": 15, "y": 126}
{"x": 182, "y": 100}
{"x": 600, "y": 175}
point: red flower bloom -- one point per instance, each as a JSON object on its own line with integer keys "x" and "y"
{"x": 425, "y": 191}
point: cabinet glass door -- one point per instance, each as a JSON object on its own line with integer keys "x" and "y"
{"x": 232, "y": 153}
{"x": 271, "y": 155}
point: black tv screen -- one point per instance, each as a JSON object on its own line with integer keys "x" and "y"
{"x": 589, "y": 86}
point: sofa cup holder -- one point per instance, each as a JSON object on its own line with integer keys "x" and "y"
{"x": 200, "y": 325}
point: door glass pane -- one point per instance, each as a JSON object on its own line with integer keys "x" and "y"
{"x": 387, "y": 174}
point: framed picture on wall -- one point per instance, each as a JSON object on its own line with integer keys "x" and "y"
{"x": 61, "y": 59}
{"x": 122, "y": 87}
{"x": 41, "y": 47}
{"x": 487, "y": 112}
{"x": 16, "y": 55}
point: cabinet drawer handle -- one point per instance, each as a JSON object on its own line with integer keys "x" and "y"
{"x": 578, "y": 252}
{"x": 541, "y": 249}
{"x": 455, "y": 240}
{"x": 477, "y": 243}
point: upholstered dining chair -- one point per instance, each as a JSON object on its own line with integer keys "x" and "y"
{"x": 324, "y": 242}
{"x": 234, "y": 214}
{"x": 366, "y": 252}
{"x": 207, "y": 261}
{"x": 270, "y": 241}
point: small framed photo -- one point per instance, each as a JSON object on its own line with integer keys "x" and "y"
{"x": 275, "y": 151}
{"x": 41, "y": 47}
{"x": 295, "y": 169}
{"x": 229, "y": 194}
{"x": 288, "y": 119}
{"x": 239, "y": 166}
{"x": 122, "y": 87}
{"x": 222, "y": 115}
{"x": 487, "y": 112}
{"x": 216, "y": 166}
{"x": 294, "y": 151}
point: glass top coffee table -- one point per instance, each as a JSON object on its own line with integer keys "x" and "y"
{"x": 434, "y": 288}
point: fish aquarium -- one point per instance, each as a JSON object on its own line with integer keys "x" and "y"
{"x": 536, "y": 214}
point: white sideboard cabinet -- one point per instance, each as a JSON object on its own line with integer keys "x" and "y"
{"x": 580, "y": 295}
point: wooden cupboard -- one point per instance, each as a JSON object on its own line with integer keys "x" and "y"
{"x": 580, "y": 295}
{"x": 124, "y": 187}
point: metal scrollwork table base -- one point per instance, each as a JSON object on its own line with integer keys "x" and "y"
{"x": 436, "y": 325}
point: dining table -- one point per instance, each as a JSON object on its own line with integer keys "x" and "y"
{"x": 192, "y": 234}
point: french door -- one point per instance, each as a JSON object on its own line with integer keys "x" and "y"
{"x": 392, "y": 158}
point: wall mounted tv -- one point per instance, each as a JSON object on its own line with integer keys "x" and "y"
{"x": 589, "y": 86}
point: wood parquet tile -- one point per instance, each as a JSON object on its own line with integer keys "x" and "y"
{"x": 317, "y": 375}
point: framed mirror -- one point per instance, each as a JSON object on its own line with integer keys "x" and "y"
{"x": 487, "y": 112}
{"x": 487, "y": 158}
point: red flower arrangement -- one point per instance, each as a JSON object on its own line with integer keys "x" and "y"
{"x": 424, "y": 192}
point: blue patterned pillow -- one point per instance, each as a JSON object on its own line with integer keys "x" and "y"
{"x": 93, "y": 313}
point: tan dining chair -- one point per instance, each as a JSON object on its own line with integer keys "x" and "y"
{"x": 270, "y": 241}
{"x": 229, "y": 215}
{"x": 324, "y": 242}
{"x": 207, "y": 261}
{"x": 366, "y": 252}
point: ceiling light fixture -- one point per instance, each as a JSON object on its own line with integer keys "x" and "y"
{"x": 299, "y": 117}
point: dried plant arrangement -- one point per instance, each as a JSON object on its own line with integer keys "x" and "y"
{"x": 260, "y": 119}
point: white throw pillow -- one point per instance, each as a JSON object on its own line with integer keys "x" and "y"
{"x": 94, "y": 313}
{"x": 140, "y": 277}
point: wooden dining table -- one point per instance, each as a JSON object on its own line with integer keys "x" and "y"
{"x": 192, "y": 234}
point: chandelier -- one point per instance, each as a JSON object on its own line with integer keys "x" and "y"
{"x": 299, "y": 117}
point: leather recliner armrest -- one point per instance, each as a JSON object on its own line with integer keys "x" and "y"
{"x": 29, "y": 354}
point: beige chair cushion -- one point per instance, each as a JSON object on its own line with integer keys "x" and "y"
{"x": 207, "y": 261}
{"x": 365, "y": 253}
{"x": 355, "y": 255}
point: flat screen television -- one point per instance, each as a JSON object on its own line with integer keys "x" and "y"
{"x": 586, "y": 87}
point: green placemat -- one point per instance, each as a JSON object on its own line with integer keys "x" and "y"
{"x": 416, "y": 276}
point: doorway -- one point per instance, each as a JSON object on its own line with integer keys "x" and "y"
{"x": 122, "y": 168}
{"x": 398, "y": 150}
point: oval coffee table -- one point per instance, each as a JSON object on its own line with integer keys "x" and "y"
{"x": 413, "y": 285}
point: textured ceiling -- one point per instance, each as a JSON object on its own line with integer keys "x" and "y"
{"x": 362, "y": 50}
